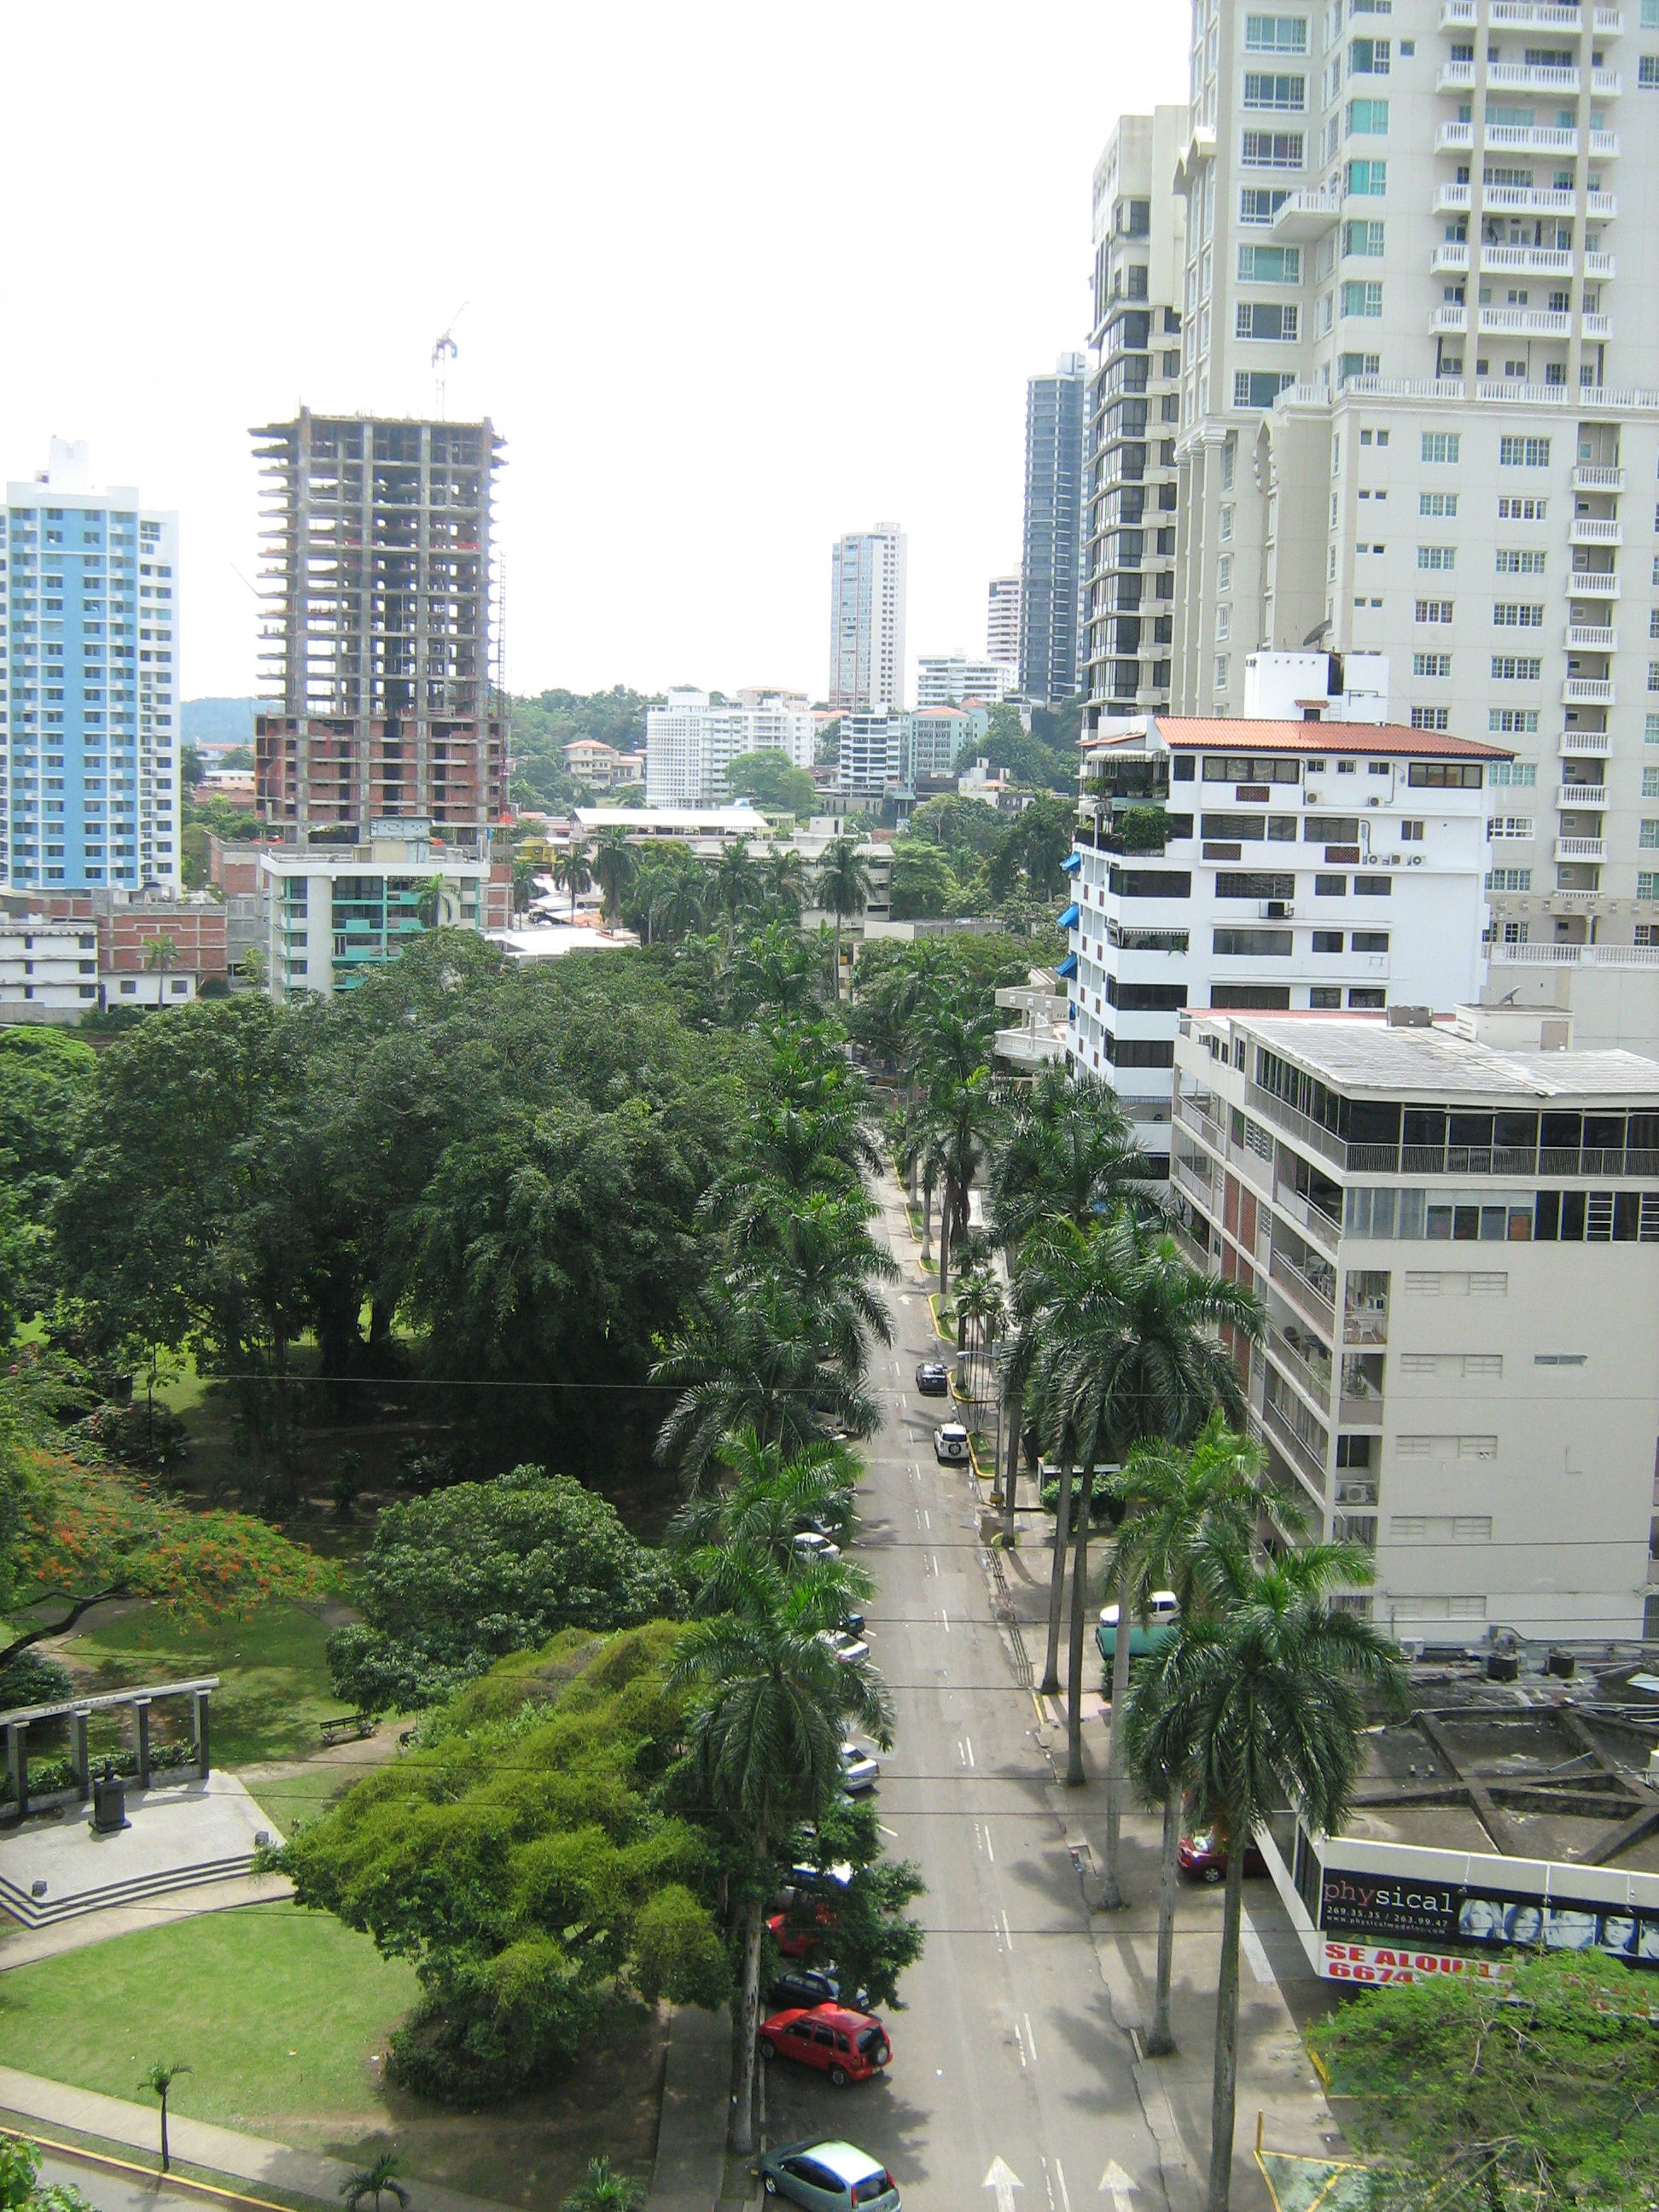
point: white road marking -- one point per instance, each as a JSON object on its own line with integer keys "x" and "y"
{"x": 1019, "y": 2044}
{"x": 904, "y": 1403}
{"x": 989, "y": 1851}
{"x": 1003, "y": 2178}
{"x": 1030, "y": 2041}
{"x": 1008, "y": 1934}
{"x": 1251, "y": 1945}
{"x": 968, "y": 1746}
{"x": 1065, "y": 2193}
{"x": 946, "y": 1619}
{"x": 927, "y": 1520}
{"x": 893, "y": 1833}
{"x": 1122, "y": 2189}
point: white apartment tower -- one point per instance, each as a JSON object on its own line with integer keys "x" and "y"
{"x": 1420, "y": 405}
{"x": 690, "y": 743}
{"x": 1134, "y": 413}
{"x": 89, "y": 796}
{"x": 866, "y": 621}
{"x": 1002, "y": 620}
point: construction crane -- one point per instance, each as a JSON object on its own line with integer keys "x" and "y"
{"x": 443, "y": 353}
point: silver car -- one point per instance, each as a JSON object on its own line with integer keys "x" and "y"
{"x": 860, "y": 1770}
{"x": 828, "y": 2177}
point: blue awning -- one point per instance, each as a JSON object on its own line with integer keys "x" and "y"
{"x": 1071, "y": 864}
{"x": 1067, "y": 966}
{"x": 1068, "y": 919}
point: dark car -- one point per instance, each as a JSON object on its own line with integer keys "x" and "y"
{"x": 932, "y": 1379}
{"x": 807, "y": 1985}
{"x": 847, "y": 2045}
{"x": 1203, "y": 1857}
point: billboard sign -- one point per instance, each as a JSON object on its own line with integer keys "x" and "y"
{"x": 1411, "y": 1911}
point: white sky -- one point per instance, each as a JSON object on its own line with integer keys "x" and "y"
{"x": 739, "y": 276}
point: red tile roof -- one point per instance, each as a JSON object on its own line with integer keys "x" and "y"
{"x": 1236, "y": 734}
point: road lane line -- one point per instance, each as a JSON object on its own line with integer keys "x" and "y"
{"x": 1007, "y": 1931}
{"x": 1065, "y": 2193}
{"x": 1251, "y": 1945}
{"x": 969, "y": 1743}
{"x": 1031, "y": 2040}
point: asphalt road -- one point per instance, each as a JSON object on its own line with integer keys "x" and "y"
{"x": 1005, "y": 2049}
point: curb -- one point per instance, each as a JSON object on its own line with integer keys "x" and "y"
{"x": 172, "y": 2178}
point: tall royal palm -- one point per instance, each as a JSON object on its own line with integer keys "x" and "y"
{"x": 1263, "y": 1705}
{"x": 1065, "y": 1147}
{"x": 818, "y": 1251}
{"x": 572, "y": 870}
{"x": 735, "y": 881}
{"x": 615, "y": 864}
{"x": 1127, "y": 1348}
{"x": 766, "y": 1498}
{"x": 963, "y": 1116}
{"x": 1189, "y": 1516}
{"x": 773, "y": 1703}
{"x": 844, "y": 886}
{"x": 783, "y": 879}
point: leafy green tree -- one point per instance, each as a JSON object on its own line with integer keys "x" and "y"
{"x": 843, "y": 886}
{"x": 764, "y": 1500}
{"x": 544, "y": 725}
{"x": 1028, "y": 758}
{"x": 520, "y": 1856}
{"x": 924, "y": 883}
{"x": 962, "y": 827}
{"x": 44, "y": 1075}
{"x": 773, "y": 782}
{"x": 772, "y": 1704}
{"x": 874, "y": 1941}
{"x": 21, "y": 2189}
{"x": 1264, "y": 1705}
{"x": 454, "y": 1582}
{"x": 1031, "y": 849}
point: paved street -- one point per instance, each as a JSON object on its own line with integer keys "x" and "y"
{"x": 1007, "y": 2048}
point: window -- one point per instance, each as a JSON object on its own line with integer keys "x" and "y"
{"x": 1370, "y": 57}
{"x": 1431, "y": 664}
{"x": 1653, "y": 676}
{"x": 1328, "y": 940}
{"x": 1363, "y": 238}
{"x": 1270, "y": 265}
{"x": 1520, "y": 775}
{"x": 1367, "y": 179}
{"x": 1252, "y": 944}
{"x": 1436, "y": 556}
{"x": 1431, "y": 718}
{"x": 1511, "y": 509}
{"x": 1259, "y": 387}
{"x": 1255, "y": 318}
{"x": 1272, "y": 149}
{"x": 1262, "y": 90}
{"x": 1650, "y": 731}
{"x": 1510, "y": 614}
{"x": 1259, "y": 204}
{"x": 1509, "y": 879}
{"x": 1648, "y": 837}
{"x": 1511, "y": 667}
{"x": 1368, "y": 118}
{"x": 1368, "y": 1000}
{"x": 1373, "y": 886}
{"x": 1362, "y": 300}
{"x": 1436, "y": 503}
{"x": 1411, "y": 833}
{"x": 1523, "y": 453}
{"x": 1443, "y": 775}
{"x": 1322, "y": 997}
{"x": 1441, "y": 446}
{"x": 1434, "y": 610}
{"x": 1254, "y": 884}
{"x": 1276, "y": 35}
{"x": 1647, "y": 70}
{"x": 1647, "y": 885}
{"x": 1510, "y": 826}
{"x": 1650, "y": 783}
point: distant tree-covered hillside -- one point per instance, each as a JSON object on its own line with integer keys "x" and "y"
{"x": 219, "y": 721}
{"x": 544, "y": 725}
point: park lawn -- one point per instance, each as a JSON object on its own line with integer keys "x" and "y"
{"x": 274, "y": 1685}
{"x": 283, "y": 2014}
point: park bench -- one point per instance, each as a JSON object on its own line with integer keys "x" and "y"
{"x": 342, "y": 1725}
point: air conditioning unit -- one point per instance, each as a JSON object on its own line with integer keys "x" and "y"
{"x": 1277, "y": 910}
{"x": 1394, "y": 859}
{"x": 1312, "y": 797}
{"x": 1373, "y": 802}
{"x": 1417, "y": 860}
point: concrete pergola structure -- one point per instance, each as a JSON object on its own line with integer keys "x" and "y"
{"x": 15, "y": 1726}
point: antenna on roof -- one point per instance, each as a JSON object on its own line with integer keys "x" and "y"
{"x": 443, "y": 352}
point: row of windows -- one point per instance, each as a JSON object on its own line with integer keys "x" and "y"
{"x": 1566, "y": 1217}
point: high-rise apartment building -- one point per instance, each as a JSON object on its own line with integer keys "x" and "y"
{"x": 1002, "y": 621}
{"x": 1420, "y": 406}
{"x": 689, "y": 744}
{"x": 1051, "y": 559}
{"x": 89, "y": 798}
{"x": 866, "y": 621}
{"x": 1129, "y": 553}
{"x": 379, "y": 631}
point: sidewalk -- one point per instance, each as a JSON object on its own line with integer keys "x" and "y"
{"x": 196, "y": 2143}
{"x": 689, "y": 2173}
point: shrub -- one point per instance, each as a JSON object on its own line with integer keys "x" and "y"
{"x": 1140, "y": 828}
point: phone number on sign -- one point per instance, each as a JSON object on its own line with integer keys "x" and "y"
{"x": 1368, "y": 1962}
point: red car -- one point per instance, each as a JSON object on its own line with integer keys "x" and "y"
{"x": 1203, "y": 1857}
{"x": 800, "y": 1942}
{"x": 848, "y": 2046}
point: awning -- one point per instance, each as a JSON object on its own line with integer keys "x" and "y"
{"x": 1067, "y": 966}
{"x": 1068, "y": 919}
{"x": 1071, "y": 864}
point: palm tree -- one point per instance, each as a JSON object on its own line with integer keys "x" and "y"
{"x": 1192, "y": 1514}
{"x": 572, "y": 870}
{"x": 735, "y": 880}
{"x": 843, "y": 885}
{"x": 783, "y": 878}
{"x": 980, "y": 1302}
{"x": 964, "y": 1117}
{"x": 1263, "y": 1705}
{"x": 615, "y": 864}
{"x": 769, "y": 1497}
{"x": 377, "y": 2181}
{"x": 775, "y": 968}
{"x": 1065, "y": 1148}
{"x": 819, "y": 1252}
{"x": 159, "y": 954}
{"x": 766, "y": 1734}
{"x": 1126, "y": 1349}
{"x": 679, "y": 903}
{"x": 430, "y": 900}
{"x": 159, "y": 2081}
{"x": 604, "y": 2189}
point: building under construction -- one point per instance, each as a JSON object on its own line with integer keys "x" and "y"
{"x": 378, "y": 634}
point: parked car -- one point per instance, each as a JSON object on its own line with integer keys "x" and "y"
{"x": 846, "y": 1646}
{"x": 951, "y": 1444}
{"x": 853, "y": 1621}
{"x": 828, "y": 2177}
{"x": 1163, "y": 1619}
{"x": 809, "y": 1986}
{"x": 932, "y": 1379}
{"x": 809, "y": 1544}
{"x": 847, "y": 2045}
{"x": 1202, "y": 1857}
{"x": 800, "y": 1942}
{"x": 860, "y": 1770}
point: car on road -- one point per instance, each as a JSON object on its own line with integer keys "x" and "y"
{"x": 951, "y": 1444}
{"x": 860, "y": 1770}
{"x": 932, "y": 1379}
{"x": 847, "y": 2045}
{"x": 828, "y": 2177}
{"x": 1162, "y": 1621}
{"x": 811, "y": 1544}
{"x": 853, "y": 1621}
{"x": 1202, "y": 1857}
{"x": 846, "y": 1646}
{"x": 807, "y": 1986}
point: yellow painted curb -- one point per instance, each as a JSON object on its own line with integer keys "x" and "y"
{"x": 172, "y": 2178}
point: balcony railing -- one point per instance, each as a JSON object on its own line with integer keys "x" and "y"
{"x": 1588, "y": 691}
{"x": 1311, "y": 1467}
{"x": 1583, "y": 637}
{"x": 1581, "y": 848}
{"x": 1318, "y": 1306}
{"x": 1586, "y": 478}
{"x": 1584, "y": 741}
{"x": 1574, "y": 955}
{"x": 1315, "y": 1382}
{"x": 1572, "y": 796}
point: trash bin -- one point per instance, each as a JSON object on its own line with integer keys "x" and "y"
{"x": 109, "y": 1802}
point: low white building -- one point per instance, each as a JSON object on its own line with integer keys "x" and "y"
{"x": 334, "y": 913}
{"x": 945, "y": 679}
{"x": 1271, "y": 866}
{"x": 690, "y": 743}
{"x": 48, "y": 969}
{"x": 1456, "y": 1234}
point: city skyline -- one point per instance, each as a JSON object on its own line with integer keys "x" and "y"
{"x": 162, "y": 363}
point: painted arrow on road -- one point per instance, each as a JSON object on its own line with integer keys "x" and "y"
{"x": 1005, "y": 2181}
{"x": 1122, "y": 2189}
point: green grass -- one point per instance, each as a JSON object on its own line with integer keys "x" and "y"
{"x": 274, "y": 1685}
{"x": 292, "y": 1800}
{"x": 277, "y": 2011}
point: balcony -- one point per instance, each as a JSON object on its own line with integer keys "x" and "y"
{"x": 1588, "y": 476}
{"x": 1588, "y": 691}
{"x": 1591, "y": 797}
{"x": 1315, "y": 1379}
{"x": 1312, "y": 1218}
{"x": 1584, "y": 741}
{"x": 1595, "y": 584}
{"x": 1574, "y": 955}
{"x": 1597, "y": 326}
{"x": 1307, "y": 1462}
{"x": 1308, "y": 213}
{"x": 1448, "y": 318}
{"x": 1528, "y": 261}
{"x": 1530, "y": 76}
{"x": 1455, "y": 76}
{"x": 1581, "y": 638}
{"x": 1581, "y": 848}
{"x": 1526, "y": 322}
{"x": 1317, "y": 1306}
{"x": 1595, "y": 529}
{"x": 1523, "y": 199}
